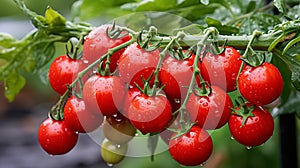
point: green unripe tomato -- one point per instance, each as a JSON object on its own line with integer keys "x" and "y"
{"x": 113, "y": 153}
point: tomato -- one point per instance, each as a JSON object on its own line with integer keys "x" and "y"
{"x": 104, "y": 94}
{"x": 256, "y": 130}
{"x": 260, "y": 85}
{"x": 222, "y": 70}
{"x": 192, "y": 148}
{"x": 210, "y": 112}
{"x": 62, "y": 72}
{"x": 97, "y": 43}
{"x": 176, "y": 76}
{"x": 131, "y": 94}
{"x": 55, "y": 137}
{"x": 78, "y": 118}
{"x": 118, "y": 129}
{"x": 136, "y": 63}
{"x": 150, "y": 114}
{"x": 112, "y": 153}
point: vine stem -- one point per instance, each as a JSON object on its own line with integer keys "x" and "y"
{"x": 196, "y": 69}
{"x": 163, "y": 54}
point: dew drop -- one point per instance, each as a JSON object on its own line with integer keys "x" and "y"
{"x": 110, "y": 165}
{"x": 118, "y": 146}
{"x": 177, "y": 101}
{"x": 232, "y": 137}
{"x": 202, "y": 164}
{"x": 248, "y": 147}
{"x": 136, "y": 134}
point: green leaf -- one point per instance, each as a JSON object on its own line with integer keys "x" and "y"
{"x": 156, "y": 5}
{"x": 90, "y": 9}
{"x": 53, "y": 18}
{"x": 280, "y": 5}
{"x": 251, "y": 6}
{"x": 292, "y": 106}
{"x": 223, "y": 29}
{"x": 291, "y": 43}
{"x": 13, "y": 84}
{"x": 286, "y": 75}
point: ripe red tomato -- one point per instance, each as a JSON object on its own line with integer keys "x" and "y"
{"x": 97, "y": 43}
{"x": 176, "y": 75}
{"x": 221, "y": 70}
{"x": 136, "y": 63}
{"x": 131, "y": 94}
{"x": 260, "y": 85}
{"x": 78, "y": 118}
{"x": 192, "y": 148}
{"x": 62, "y": 72}
{"x": 104, "y": 94}
{"x": 118, "y": 129}
{"x": 210, "y": 112}
{"x": 150, "y": 114}
{"x": 55, "y": 137}
{"x": 256, "y": 130}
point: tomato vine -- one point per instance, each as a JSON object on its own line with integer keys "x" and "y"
{"x": 278, "y": 42}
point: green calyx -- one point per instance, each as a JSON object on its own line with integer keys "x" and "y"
{"x": 243, "y": 109}
{"x": 150, "y": 90}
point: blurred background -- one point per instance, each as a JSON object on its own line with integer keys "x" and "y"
{"x": 19, "y": 120}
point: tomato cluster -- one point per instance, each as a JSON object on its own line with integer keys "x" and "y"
{"x": 125, "y": 94}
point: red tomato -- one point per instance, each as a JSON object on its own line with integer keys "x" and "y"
{"x": 260, "y": 85}
{"x": 222, "y": 69}
{"x": 97, "y": 43}
{"x": 104, "y": 94}
{"x": 78, "y": 118}
{"x": 131, "y": 94}
{"x": 176, "y": 76}
{"x": 136, "y": 63}
{"x": 210, "y": 112}
{"x": 150, "y": 114}
{"x": 62, "y": 72}
{"x": 192, "y": 148}
{"x": 255, "y": 131}
{"x": 55, "y": 137}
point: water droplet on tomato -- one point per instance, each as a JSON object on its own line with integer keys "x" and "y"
{"x": 202, "y": 164}
{"x": 232, "y": 137}
{"x": 177, "y": 101}
{"x": 248, "y": 147}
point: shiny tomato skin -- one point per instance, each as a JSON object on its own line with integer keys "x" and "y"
{"x": 78, "y": 118}
{"x": 104, "y": 94}
{"x": 260, "y": 85}
{"x": 56, "y": 138}
{"x": 256, "y": 130}
{"x": 176, "y": 76}
{"x": 131, "y": 94}
{"x": 150, "y": 114}
{"x": 113, "y": 153}
{"x": 136, "y": 63}
{"x": 62, "y": 72}
{"x": 222, "y": 70}
{"x": 192, "y": 148}
{"x": 118, "y": 129}
{"x": 97, "y": 43}
{"x": 210, "y": 112}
